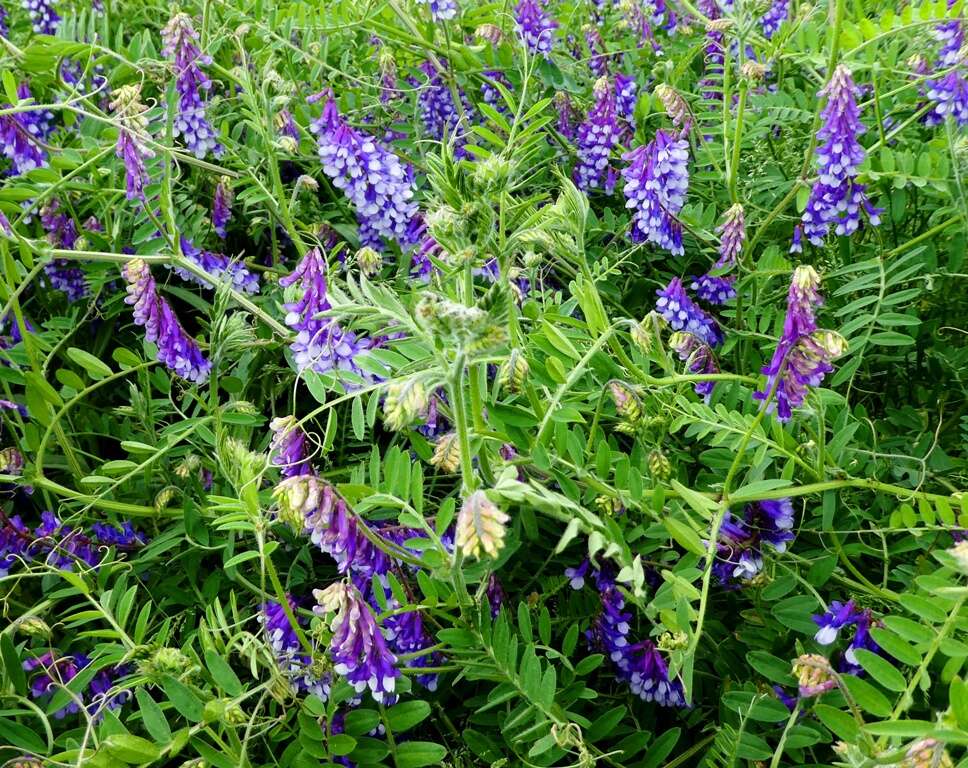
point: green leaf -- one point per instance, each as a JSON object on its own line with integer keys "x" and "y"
{"x": 222, "y": 674}
{"x": 841, "y": 723}
{"x": 341, "y": 744}
{"x": 684, "y": 534}
{"x": 958, "y": 698}
{"x": 186, "y": 703}
{"x": 881, "y": 670}
{"x": 894, "y": 645}
{"x": 403, "y": 717}
{"x": 359, "y": 722}
{"x": 152, "y": 717}
{"x": 93, "y": 366}
{"x": 130, "y": 749}
{"x": 908, "y": 729}
{"x": 12, "y": 665}
{"x": 700, "y": 503}
{"x": 359, "y": 424}
{"x": 416, "y": 754}
{"x": 661, "y": 748}
{"x": 867, "y": 696}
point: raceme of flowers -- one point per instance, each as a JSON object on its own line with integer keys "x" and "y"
{"x": 656, "y": 181}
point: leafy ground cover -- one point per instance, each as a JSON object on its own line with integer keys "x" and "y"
{"x": 459, "y": 383}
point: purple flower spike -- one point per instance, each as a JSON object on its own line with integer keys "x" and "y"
{"x": 289, "y": 449}
{"x": 774, "y": 17}
{"x": 598, "y": 58}
{"x": 219, "y": 266}
{"x": 804, "y": 354}
{"x": 535, "y": 27}
{"x": 566, "y": 115}
{"x": 682, "y": 314}
{"x": 21, "y": 132}
{"x": 4, "y": 30}
{"x": 62, "y": 233}
{"x": 359, "y": 649}
{"x": 374, "y": 180}
{"x": 443, "y": 119}
{"x": 715, "y": 290}
{"x": 441, "y": 10}
{"x": 222, "y": 207}
{"x": 176, "y": 349}
{"x": 699, "y": 358}
{"x": 733, "y": 233}
{"x": 596, "y": 137}
{"x": 43, "y": 17}
{"x": 191, "y": 84}
{"x": 656, "y": 180}
{"x": 626, "y": 95}
{"x": 130, "y": 148}
{"x": 295, "y": 663}
{"x": 321, "y": 343}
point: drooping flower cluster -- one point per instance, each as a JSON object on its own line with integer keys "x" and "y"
{"x": 51, "y": 672}
{"x": 565, "y": 124}
{"x": 443, "y": 118}
{"x": 321, "y": 344}
{"x": 682, "y": 314}
{"x": 22, "y": 132}
{"x": 192, "y": 85}
{"x": 374, "y": 180}
{"x": 639, "y": 664}
{"x": 841, "y": 616}
{"x": 358, "y": 648}
{"x": 406, "y": 635}
{"x": 293, "y": 660}
{"x": 949, "y": 92}
{"x": 219, "y": 266}
{"x": 776, "y": 14}
{"x": 441, "y": 10}
{"x": 176, "y": 349}
{"x": 59, "y": 545}
{"x": 535, "y": 27}
{"x": 699, "y": 358}
{"x": 598, "y": 59}
{"x": 480, "y": 526}
{"x": 130, "y": 113}
{"x": 836, "y": 199}
{"x": 43, "y": 18}
{"x": 62, "y": 233}
{"x": 804, "y": 354}
{"x": 739, "y": 548}
{"x": 597, "y": 135}
{"x": 289, "y": 449}
{"x": 656, "y": 180}
{"x": 222, "y": 207}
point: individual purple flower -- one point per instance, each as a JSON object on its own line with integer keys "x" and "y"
{"x": 219, "y": 266}
{"x": 441, "y": 10}
{"x": 837, "y": 616}
{"x": 535, "y": 27}
{"x": 656, "y": 180}
{"x": 62, "y": 233}
{"x": 286, "y": 125}
{"x": 407, "y": 636}
{"x": 289, "y": 447}
{"x": 130, "y": 113}
{"x": 43, "y": 17}
{"x": 494, "y": 593}
{"x": 732, "y": 235}
{"x": 374, "y": 180}
{"x": 699, "y": 358}
{"x": 626, "y": 95}
{"x": 15, "y": 539}
{"x": 772, "y": 20}
{"x": 176, "y": 349}
{"x": 53, "y": 672}
{"x": 788, "y": 701}
{"x": 321, "y": 344}
{"x": 222, "y": 207}
{"x": 22, "y": 132}
{"x": 576, "y": 576}
{"x": 682, "y": 314}
{"x": 804, "y": 354}
{"x": 191, "y": 85}
{"x": 358, "y": 648}
{"x": 739, "y": 549}
{"x": 442, "y": 117}
{"x": 772, "y": 520}
{"x": 796, "y": 242}
{"x": 597, "y": 135}
{"x": 835, "y": 198}
{"x": 862, "y": 639}
{"x": 489, "y": 92}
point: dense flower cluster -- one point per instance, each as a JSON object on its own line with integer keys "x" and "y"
{"x": 43, "y": 18}
{"x": 176, "y": 349}
{"x": 804, "y": 354}
{"x": 321, "y": 344}
{"x": 192, "y": 86}
{"x": 489, "y": 92}
{"x": 682, "y": 314}
{"x": 219, "y": 266}
{"x": 626, "y": 95}
{"x": 842, "y": 616}
{"x": 443, "y": 118}
{"x": 535, "y": 27}
{"x": 739, "y": 548}
{"x": 949, "y": 92}
{"x": 294, "y": 662}
{"x": 656, "y": 180}
{"x": 62, "y": 233}
{"x": 836, "y": 199}
{"x": 222, "y": 207}
{"x": 22, "y": 132}
{"x": 374, "y": 180}
{"x": 776, "y": 14}
{"x": 699, "y": 358}
{"x": 597, "y": 135}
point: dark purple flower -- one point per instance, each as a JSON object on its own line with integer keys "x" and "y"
{"x": 776, "y": 14}
{"x": 715, "y": 290}
{"x": 597, "y": 135}
{"x": 838, "y": 616}
{"x": 222, "y": 207}
{"x": 124, "y": 537}
{"x": 535, "y": 27}
{"x": 656, "y": 180}
{"x": 406, "y": 634}
{"x": 788, "y": 701}
{"x": 803, "y": 355}
{"x": 295, "y": 663}
{"x": 576, "y": 576}
{"x": 321, "y": 344}
{"x": 950, "y": 91}
{"x": 4, "y": 30}
{"x": 443, "y": 119}
{"x": 682, "y": 314}
{"x": 130, "y": 113}
{"x": 191, "y": 84}
{"x": 598, "y": 58}
{"x": 288, "y": 449}
{"x": 43, "y": 17}
{"x": 55, "y": 672}
{"x": 176, "y": 349}
{"x": 62, "y": 233}
{"x": 626, "y": 95}
{"x": 219, "y": 266}
{"x": 495, "y": 594}
{"x": 566, "y": 115}
{"x": 739, "y": 549}
{"x": 22, "y": 132}
{"x": 359, "y": 649}
{"x": 374, "y": 180}
{"x": 15, "y": 539}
